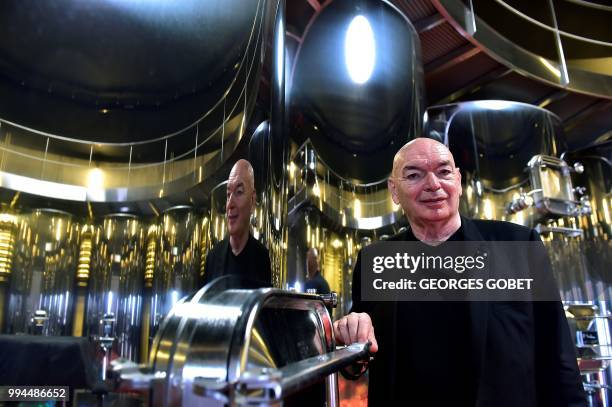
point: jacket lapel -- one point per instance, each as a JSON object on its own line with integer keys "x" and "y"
{"x": 479, "y": 310}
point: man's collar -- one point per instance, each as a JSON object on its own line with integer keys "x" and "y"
{"x": 470, "y": 231}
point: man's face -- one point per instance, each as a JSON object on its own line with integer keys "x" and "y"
{"x": 426, "y": 183}
{"x": 240, "y": 202}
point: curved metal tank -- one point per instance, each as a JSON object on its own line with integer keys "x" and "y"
{"x": 356, "y": 86}
{"x": 597, "y": 226}
{"x": 158, "y": 94}
{"x": 269, "y": 221}
{"x": 116, "y": 282}
{"x": 177, "y": 262}
{"x": 511, "y": 160}
{"x": 225, "y": 345}
{"x": 492, "y": 142}
{"x": 43, "y": 274}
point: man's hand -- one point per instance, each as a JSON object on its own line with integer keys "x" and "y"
{"x": 355, "y": 327}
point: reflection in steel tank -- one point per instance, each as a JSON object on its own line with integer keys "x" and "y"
{"x": 269, "y": 221}
{"x": 177, "y": 262}
{"x": 43, "y": 274}
{"x": 356, "y": 89}
{"x": 116, "y": 281}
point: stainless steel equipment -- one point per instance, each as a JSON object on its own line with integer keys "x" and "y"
{"x": 236, "y": 346}
{"x": 590, "y": 325}
{"x": 43, "y": 274}
{"x": 176, "y": 264}
{"x": 116, "y": 281}
{"x": 356, "y": 89}
{"x": 509, "y": 155}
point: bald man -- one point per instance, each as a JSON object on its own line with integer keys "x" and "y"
{"x": 239, "y": 253}
{"x": 459, "y": 353}
{"x": 314, "y": 279}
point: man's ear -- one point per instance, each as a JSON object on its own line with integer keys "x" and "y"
{"x": 393, "y": 189}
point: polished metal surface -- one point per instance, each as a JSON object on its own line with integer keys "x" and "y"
{"x": 354, "y": 205}
{"x": 356, "y": 86}
{"x": 70, "y": 165}
{"x": 514, "y": 167}
{"x": 269, "y": 221}
{"x": 269, "y": 386}
{"x": 531, "y": 41}
{"x": 221, "y": 337}
{"x": 43, "y": 273}
{"x": 177, "y": 262}
{"x": 595, "y": 244}
{"x": 493, "y": 142}
{"x": 590, "y": 325}
{"x": 116, "y": 282}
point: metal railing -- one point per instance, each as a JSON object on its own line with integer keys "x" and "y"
{"x": 42, "y": 163}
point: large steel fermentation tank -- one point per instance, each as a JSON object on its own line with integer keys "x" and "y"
{"x": 597, "y": 226}
{"x": 116, "y": 282}
{"x": 43, "y": 273}
{"x": 225, "y": 345}
{"x": 173, "y": 266}
{"x": 492, "y": 142}
{"x": 510, "y": 158}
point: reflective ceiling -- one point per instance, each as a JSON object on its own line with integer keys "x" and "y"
{"x": 112, "y": 70}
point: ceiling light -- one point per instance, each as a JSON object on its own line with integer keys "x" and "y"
{"x": 360, "y": 50}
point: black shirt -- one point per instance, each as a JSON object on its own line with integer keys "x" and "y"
{"x": 252, "y": 263}
{"x": 425, "y": 350}
{"x": 318, "y": 283}
{"x": 440, "y": 375}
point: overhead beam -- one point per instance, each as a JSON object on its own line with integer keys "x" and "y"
{"x": 451, "y": 59}
{"x": 429, "y": 22}
{"x": 475, "y": 85}
{"x": 585, "y": 113}
{"x": 552, "y": 97}
{"x": 315, "y": 5}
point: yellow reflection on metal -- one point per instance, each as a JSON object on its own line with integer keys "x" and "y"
{"x": 554, "y": 70}
{"x": 150, "y": 256}
{"x": 83, "y": 267}
{"x": 606, "y": 210}
{"x": 8, "y": 225}
{"x": 291, "y": 170}
{"x": 316, "y": 190}
{"x": 487, "y": 208}
{"x": 15, "y": 199}
{"x": 79, "y": 314}
{"x": 357, "y": 208}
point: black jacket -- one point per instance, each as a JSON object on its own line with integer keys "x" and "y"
{"x": 523, "y": 354}
{"x": 258, "y": 267}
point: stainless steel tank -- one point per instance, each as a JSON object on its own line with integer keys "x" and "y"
{"x": 356, "y": 87}
{"x": 176, "y": 257}
{"x": 239, "y": 346}
{"x": 494, "y": 143}
{"x": 510, "y": 158}
{"x": 597, "y": 226}
{"x": 116, "y": 282}
{"x": 41, "y": 290}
